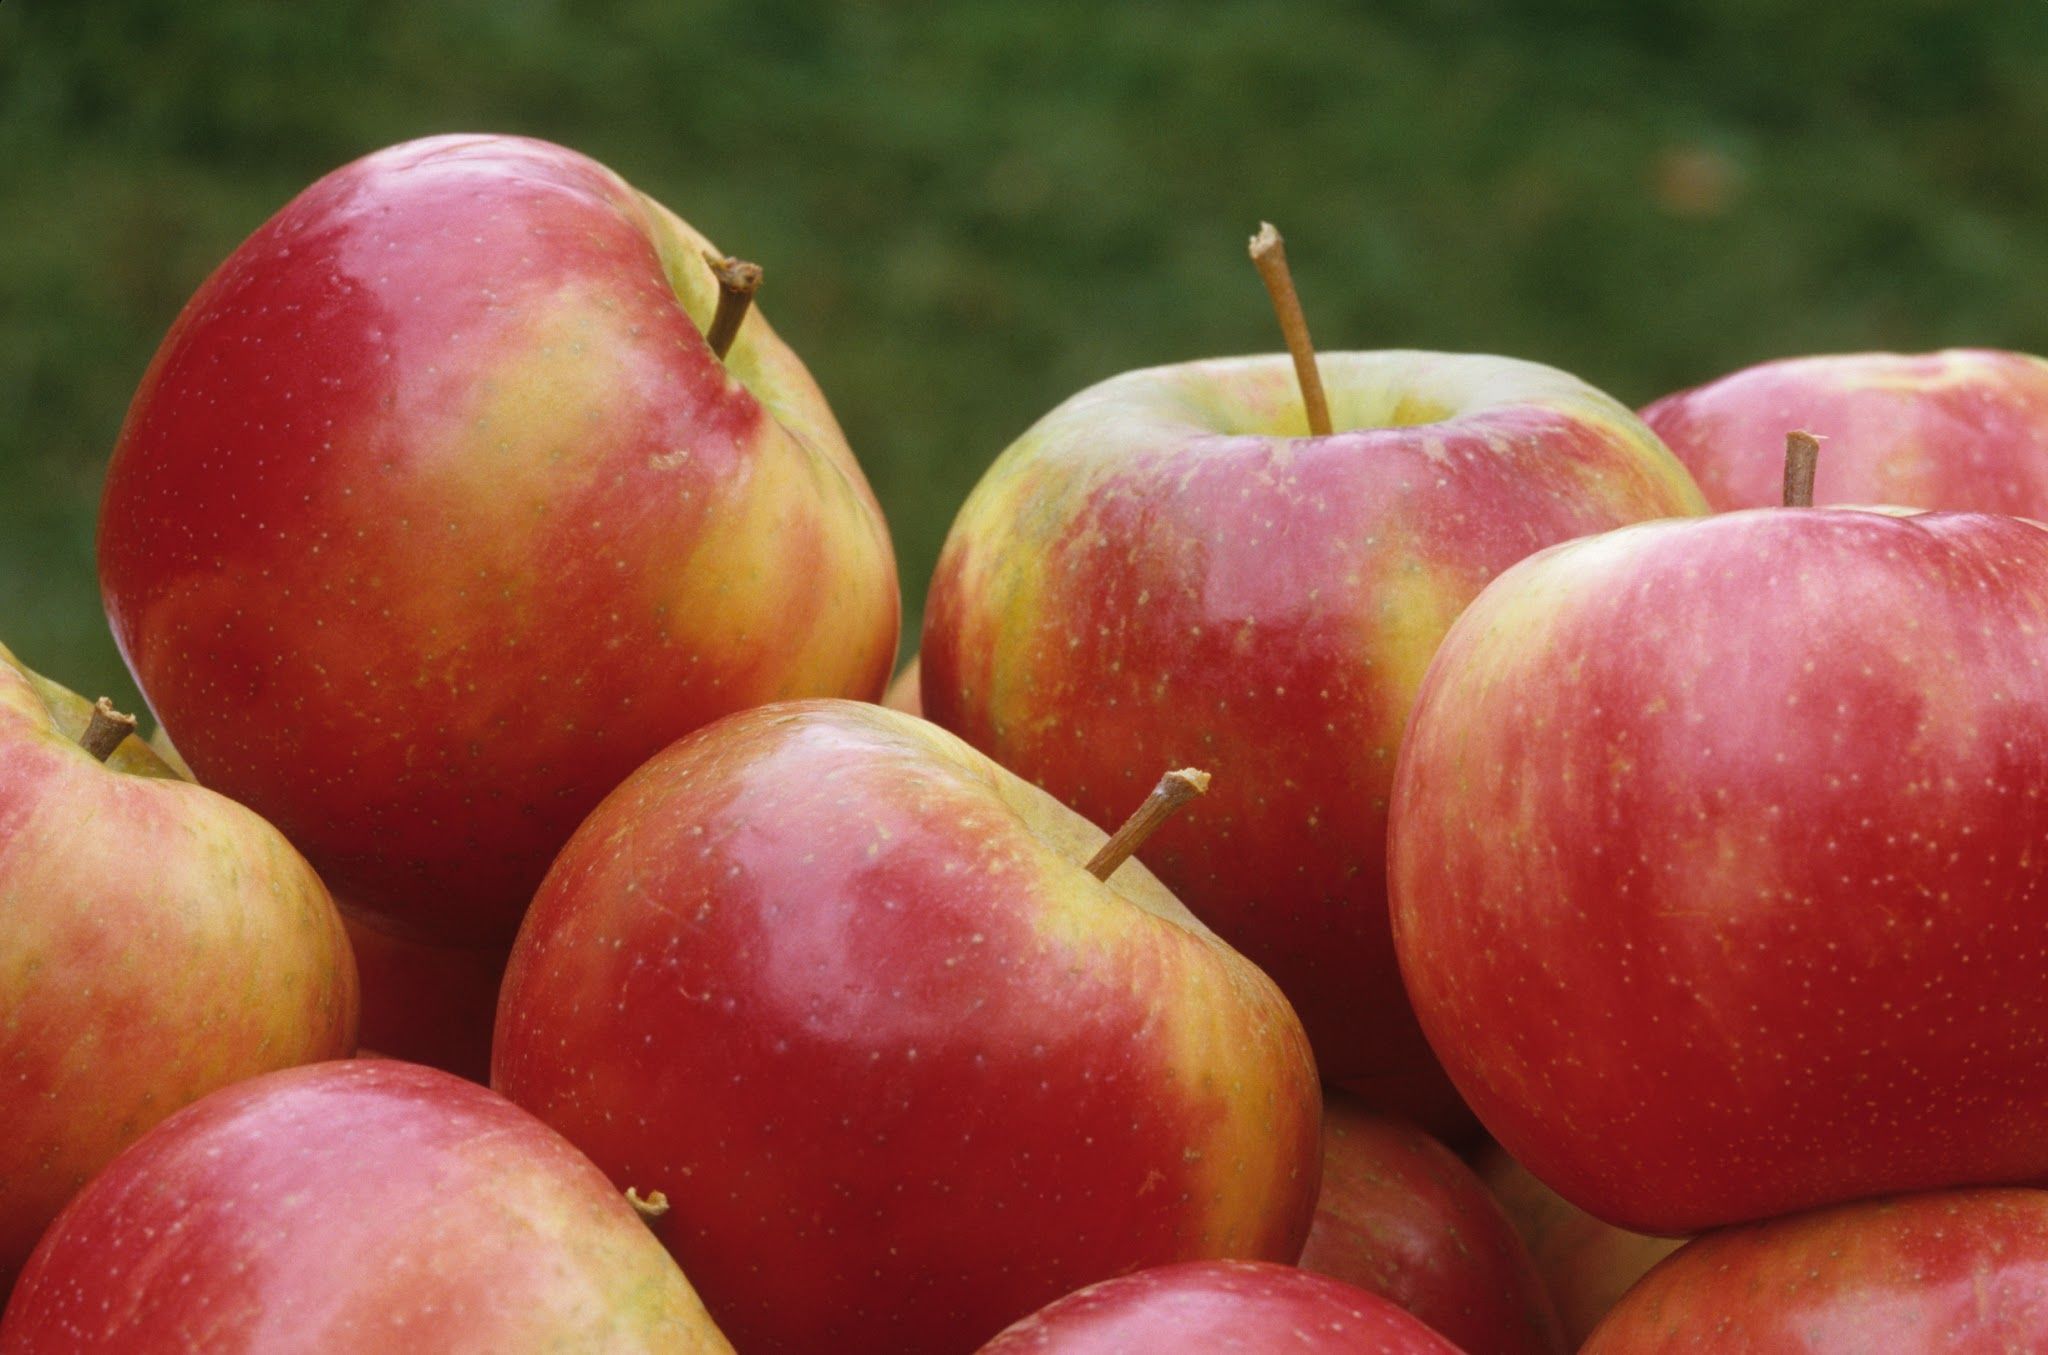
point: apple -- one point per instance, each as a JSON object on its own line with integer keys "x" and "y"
{"x": 1716, "y": 861}
{"x": 436, "y": 514}
{"x": 842, "y": 989}
{"x": 1930, "y": 1274}
{"x": 1401, "y": 1216}
{"x": 357, "y": 1206}
{"x": 903, "y": 693}
{"x": 160, "y": 941}
{"x": 425, "y": 1003}
{"x": 1586, "y": 1265}
{"x": 1221, "y": 1308}
{"x": 1165, "y": 570}
{"x": 1966, "y": 428}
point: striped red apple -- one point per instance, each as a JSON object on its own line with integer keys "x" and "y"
{"x": 862, "y": 1005}
{"x": 159, "y": 941}
{"x": 1169, "y": 569}
{"x": 437, "y": 513}
{"x": 1717, "y": 861}
{"x": 1964, "y": 428}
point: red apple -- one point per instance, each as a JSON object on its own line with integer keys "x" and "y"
{"x": 1933, "y": 1274}
{"x": 1221, "y": 1308}
{"x": 840, "y": 987}
{"x": 1401, "y": 1216}
{"x": 352, "y": 1208}
{"x": 1964, "y": 428}
{"x": 436, "y": 514}
{"x": 1164, "y": 570}
{"x": 1586, "y": 1265}
{"x": 1717, "y": 861}
{"x": 425, "y": 1003}
{"x": 159, "y": 942}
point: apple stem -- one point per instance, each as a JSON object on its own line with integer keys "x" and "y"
{"x": 1269, "y": 256}
{"x": 652, "y": 1205}
{"x": 1802, "y": 455}
{"x": 738, "y": 280}
{"x": 106, "y": 731}
{"x": 1174, "y": 790}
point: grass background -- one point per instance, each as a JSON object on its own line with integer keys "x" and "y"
{"x": 969, "y": 211}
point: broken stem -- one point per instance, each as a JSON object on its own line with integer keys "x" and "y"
{"x": 1174, "y": 790}
{"x": 738, "y": 280}
{"x": 108, "y": 728}
{"x": 1802, "y": 455}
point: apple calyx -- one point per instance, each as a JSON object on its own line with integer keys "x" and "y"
{"x": 652, "y": 1205}
{"x": 1269, "y": 256}
{"x": 738, "y": 280}
{"x": 108, "y": 727}
{"x": 1174, "y": 790}
{"x": 1802, "y": 455}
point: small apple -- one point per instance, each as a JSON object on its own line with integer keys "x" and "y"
{"x": 1586, "y": 1265}
{"x": 843, "y": 990}
{"x": 352, "y": 1208}
{"x": 437, "y": 512}
{"x": 1166, "y": 569}
{"x": 160, "y": 941}
{"x": 1717, "y": 861}
{"x": 1221, "y": 1308}
{"x": 1965, "y": 428}
{"x": 1401, "y": 1216}
{"x": 1932, "y": 1274}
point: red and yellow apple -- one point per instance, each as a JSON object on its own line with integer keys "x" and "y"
{"x": 1221, "y": 1308}
{"x": 435, "y": 515}
{"x": 1934, "y": 1274}
{"x": 159, "y": 941}
{"x": 1165, "y": 570}
{"x": 1401, "y": 1216}
{"x": 841, "y": 988}
{"x": 1966, "y": 428}
{"x": 1717, "y": 861}
{"x": 358, "y": 1207}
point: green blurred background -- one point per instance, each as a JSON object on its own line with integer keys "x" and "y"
{"x": 968, "y": 212}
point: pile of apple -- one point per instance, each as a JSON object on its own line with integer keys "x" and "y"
{"x": 522, "y": 620}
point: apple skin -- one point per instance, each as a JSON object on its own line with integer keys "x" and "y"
{"x": 1221, "y": 1308}
{"x": 1965, "y": 428}
{"x": 1715, "y": 861}
{"x": 1162, "y": 572}
{"x": 1586, "y": 1265}
{"x": 1401, "y": 1216}
{"x": 904, "y": 692}
{"x": 434, "y": 516}
{"x": 160, "y": 941}
{"x": 1926, "y": 1274}
{"x": 426, "y": 1004}
{"x": 361, "y": 1206}
{"x": 839, "y": 986}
